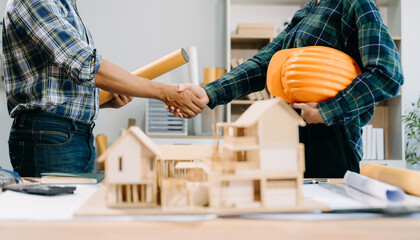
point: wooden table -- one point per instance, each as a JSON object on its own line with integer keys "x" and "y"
{"x": 382, "y": 228}
{"x": 222, "y": 228}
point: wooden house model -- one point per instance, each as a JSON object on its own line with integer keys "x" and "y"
{"x": 182, "y": 176}
{"x": 130, "y": 165}
{"x": 261, "y": 162}
{"x": 258, "y": 167}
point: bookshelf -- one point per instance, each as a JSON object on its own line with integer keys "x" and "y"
{"x": 387, "y": 113}
{"x": 244, "y": 47}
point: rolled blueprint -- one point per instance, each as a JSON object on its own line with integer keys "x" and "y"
{"x": 211, "y": 117}
{"x": 194, "y": 79}
{"x": 153, "y": 70}
{"x": 212, "y": 74}
{"x": 407, "y": 180}
{"x": 374, "y": 187}
{"x": 193, "y": 65}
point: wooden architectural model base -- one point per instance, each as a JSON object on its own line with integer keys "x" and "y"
{"x": 96, "y": 206}
{"x": 258, "y": 168}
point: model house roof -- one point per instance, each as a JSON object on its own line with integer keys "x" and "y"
{"x": 258, "y": 108}
{"x": 140, "y": 136}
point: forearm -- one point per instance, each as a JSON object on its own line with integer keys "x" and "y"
{"x": 114, "y": 79}
{"x": 381, "y": 79}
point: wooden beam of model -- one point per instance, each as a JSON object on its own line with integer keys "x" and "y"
{"x": 153, "y": 70}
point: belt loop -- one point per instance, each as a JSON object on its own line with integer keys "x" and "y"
{"x": 92, "y": 125}
{"x": 73, "y": 123}
{"x": 20, "y": 119}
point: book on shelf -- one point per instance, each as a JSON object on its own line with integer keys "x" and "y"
{"x": 71, "y": 178}
{"x": 369, "y": 141}
{"x": 265, "y": 94}
{"x": 373, "y": 142}
{"x": 259, "y": 95}
{"x": 240, "y": 61}
{"x": 251, "y": 97}
{"x": 380, "y": 143}
{"x": 364, "y": 142}
{"x": 233, "y": 63}
{"x": 255, "y": 29}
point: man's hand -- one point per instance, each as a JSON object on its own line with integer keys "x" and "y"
{"x": 117, "y": 102}
{"x": 198, "y": 92}
{"x": 186, "y": 102}
{"x": 309, "y": 112}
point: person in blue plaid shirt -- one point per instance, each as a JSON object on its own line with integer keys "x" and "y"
{"x": 332, "y": 138}
{"x": 52, "y": 74}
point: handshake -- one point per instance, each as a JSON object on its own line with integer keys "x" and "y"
{"x": 185, "y": 100}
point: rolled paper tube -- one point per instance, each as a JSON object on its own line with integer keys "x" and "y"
{"x": 193, "y": 65}
{"x": 220, "y": 72}
{"x": 194, "y": 79}
{"x": 212, "y": 74}
{"x": 407, "y": 180}
{"x": 153, "y": 70}
{"x": 102, "y": 142}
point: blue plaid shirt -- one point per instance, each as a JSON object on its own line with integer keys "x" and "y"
{"x": 49, "y": 59}
{"x": 351, "y": 26}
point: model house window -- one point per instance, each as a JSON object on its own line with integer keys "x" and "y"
{"x": 120, "y": 164}
{"x": 151, "y": 161}
{"x": 241, "y": 156}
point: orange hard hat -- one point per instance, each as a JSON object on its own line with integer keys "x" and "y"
{"x": 310, "y": 74}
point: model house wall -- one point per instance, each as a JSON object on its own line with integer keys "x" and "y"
{"x": 259, "y": 164}
{"x": 130, "y": 170}
{"x": 258, "y": 167}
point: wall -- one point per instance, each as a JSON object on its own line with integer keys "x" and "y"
{"x": 410, "y": 57}
{"x": 5, "y": 120}
{"x": 131, "y": 34}
{"x": 410, "y": 51}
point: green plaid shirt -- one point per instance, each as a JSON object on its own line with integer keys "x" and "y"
{"x": 49, "y": 59}
{"x": 354, "y": 27}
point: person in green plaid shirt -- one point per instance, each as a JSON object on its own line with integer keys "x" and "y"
{"x": 332, "y": 138}
{"x": 52, "y": 73}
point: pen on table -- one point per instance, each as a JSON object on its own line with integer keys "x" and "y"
{"x": 315, "y": 181}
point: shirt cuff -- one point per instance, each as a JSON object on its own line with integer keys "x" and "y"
{"x": 331, "y": 112}
{"x": 84, "y": 68}
{"x": 215, "y": 92}
{"x": 97, "y": 63}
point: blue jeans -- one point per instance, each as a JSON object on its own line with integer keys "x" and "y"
{"x": 43, "y": 142}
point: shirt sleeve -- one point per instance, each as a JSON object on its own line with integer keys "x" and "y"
{"x": 382, "y": 72}
{"x": 251, "y": 75}
{"x": 49, "y": 30}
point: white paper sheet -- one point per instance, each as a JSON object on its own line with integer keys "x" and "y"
{"x": 374, "y": 187}
{"x": 23, "y": 206}
{"x": 311, "y": 216}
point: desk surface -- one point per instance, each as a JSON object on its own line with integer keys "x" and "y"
{"x": 382, "y": 228}
{"x": 217, "y": 229}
